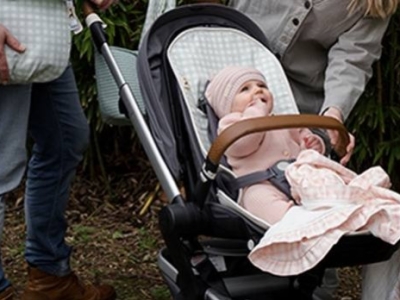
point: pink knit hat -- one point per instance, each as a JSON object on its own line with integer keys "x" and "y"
{"x": 225, "y": 85}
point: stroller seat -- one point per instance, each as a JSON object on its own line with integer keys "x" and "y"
{"x": 198, "y": 53}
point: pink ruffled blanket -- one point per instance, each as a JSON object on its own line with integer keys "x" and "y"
{"x": 333, "y": 201}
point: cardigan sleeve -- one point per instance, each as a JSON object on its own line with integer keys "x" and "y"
{"x": 350, "y": 62}
{"x": 247, "y": 144}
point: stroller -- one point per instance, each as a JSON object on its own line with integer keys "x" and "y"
{"x": 207, "y": 234}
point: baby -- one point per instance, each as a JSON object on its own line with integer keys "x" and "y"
{"x": 237, "y": 93}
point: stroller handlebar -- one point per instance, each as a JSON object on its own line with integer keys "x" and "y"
{"x": 245, "y": 127}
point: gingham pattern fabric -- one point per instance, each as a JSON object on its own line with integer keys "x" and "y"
{"x": 336, "y": 202}
{"x": 43, "y": 27}
{"x": 198, "y": 53}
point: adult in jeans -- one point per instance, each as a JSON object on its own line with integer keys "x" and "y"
{"x": 52, "y": 115}
{"x": 327, "y": 49}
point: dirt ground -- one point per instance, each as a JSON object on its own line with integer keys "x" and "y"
{"x": 115, "y": 237}
{"x": 115, "y": 245}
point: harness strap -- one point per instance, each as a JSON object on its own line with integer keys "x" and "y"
{"x": 275, "y": 174}
{"x": 249, "y": 179}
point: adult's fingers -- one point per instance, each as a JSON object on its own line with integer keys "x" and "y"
{"x": 333, "y": 136}
{"x": 4, "y": 76}
{"x": 14, "y": 44}
{"x": 350, "y": 149}
{"x": 6, "y": 38}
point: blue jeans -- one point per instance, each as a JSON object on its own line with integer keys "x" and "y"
{"x": 60, "y": 133}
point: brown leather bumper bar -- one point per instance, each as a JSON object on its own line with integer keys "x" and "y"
{"x": 245, "y": 127}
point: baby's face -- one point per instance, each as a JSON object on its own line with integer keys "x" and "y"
{"x": 250, "y": 93}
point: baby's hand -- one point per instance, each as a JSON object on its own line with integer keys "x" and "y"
{"x": 314, "y": 142}
{"x": 260, "y": 106}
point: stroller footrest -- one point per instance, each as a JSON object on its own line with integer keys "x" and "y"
{"x": 256, "y": 284}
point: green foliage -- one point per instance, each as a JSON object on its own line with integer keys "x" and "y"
{"x": 160, "y": 293}
{"x": 376, "y": 118}
{"x": 124, "y": 26}
{"x": 17, "y": 251}
{"x": 124, "y": 23}
{"x": 147, "y": 240}
{"x": 83, "y": 234}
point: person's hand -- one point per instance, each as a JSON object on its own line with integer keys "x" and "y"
{"x": 314, "y": 142}
{"x": 103, "y": 4}
{"x": 7, "y": 39}
{"x": 334, "y": 135}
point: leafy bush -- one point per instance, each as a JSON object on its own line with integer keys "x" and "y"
{"x": 375, "y": 120}
{"x": 124, "y": 23}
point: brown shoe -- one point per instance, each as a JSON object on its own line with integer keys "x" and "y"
{"x": 7, "y": 294}
{"x": 44, "y": 286}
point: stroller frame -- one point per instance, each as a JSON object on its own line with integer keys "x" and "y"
{"x": 194, "y": 229}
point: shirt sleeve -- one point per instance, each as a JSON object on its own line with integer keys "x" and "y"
{"x": 350, "y": 63}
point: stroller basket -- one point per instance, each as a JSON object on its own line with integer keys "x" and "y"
{"x": 207, "y": 245}
{"x": 108, "y": 90}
